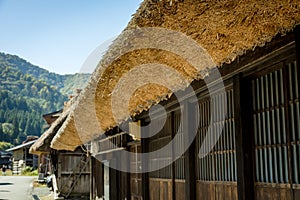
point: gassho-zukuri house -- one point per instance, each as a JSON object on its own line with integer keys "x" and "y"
{"x": 161, "y": 122}
{"x": 70, "y": 170}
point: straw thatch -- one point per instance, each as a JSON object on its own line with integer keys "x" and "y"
{"x": 69, "y": 129}
{"x": 42, "y": 145}
{"x": 224, "y": 29}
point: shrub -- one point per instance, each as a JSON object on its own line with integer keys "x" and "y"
{"x": 28, "y": 171}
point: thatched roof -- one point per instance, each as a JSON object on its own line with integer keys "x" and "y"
{"x": 223, "y": 29}
{"x": 69, "y": 129}
{"x": 42, "y": 145}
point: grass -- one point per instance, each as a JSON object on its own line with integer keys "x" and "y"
{"x": 28, "y": 171}
{"x": 8, "y": 172}
{"x": 25, "y": 172}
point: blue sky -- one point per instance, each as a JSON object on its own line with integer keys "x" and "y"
{"x": 59, "y": 35}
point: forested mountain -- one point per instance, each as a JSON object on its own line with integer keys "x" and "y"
{"x": 26, "y": 93}
{"x": 63, "y": 83}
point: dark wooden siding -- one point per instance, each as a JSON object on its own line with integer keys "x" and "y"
{"x": 216, "y": 173}
{"x": 276, "y": 130}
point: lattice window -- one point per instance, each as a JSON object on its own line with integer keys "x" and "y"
{"x": 178, "y": 130}
{"x": 171, "y": 127}
{"x": 220, "y": 163}
{"x": 269, "y": 128}
{"x": 276, "y": 118}
{"x": 158, "y": 141}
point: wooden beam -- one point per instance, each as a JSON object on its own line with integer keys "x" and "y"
{"x": 243, "y": 137}
{"x": 297, "y": 40}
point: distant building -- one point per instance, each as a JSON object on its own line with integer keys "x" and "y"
{"x": 51, "y": 117}
{"x": 5, "y": 158}
{"x": 22, "y": 157}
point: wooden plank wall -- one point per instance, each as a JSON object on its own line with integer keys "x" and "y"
{"x": 216, "y": 190}
{"x": 67, "y": 164}
{"x": 160, "y": 189}
{"x": 273, "y": 191}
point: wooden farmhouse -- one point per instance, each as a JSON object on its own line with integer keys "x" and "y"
{"x": 22, "y": 157}
{"x": 70, "y": 169}
{"x": 222, "y": 76}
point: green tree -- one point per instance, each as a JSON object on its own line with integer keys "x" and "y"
{"x": 5, "y": 145}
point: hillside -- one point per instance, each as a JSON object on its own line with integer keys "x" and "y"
{"x": 66, "y": 84}
{"x": 26, "y": 93}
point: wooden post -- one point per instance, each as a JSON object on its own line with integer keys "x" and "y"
{"x": 296, "y": 193}
{"x": 92, "y": 183}
{"x": 145, "y": 160}
{"x": 173, "y": 175}
{"x": 189, "y": 128}
{"x": 113, "y": 180}
{"x": 243, "y": 137}
{"x": 128, "y": 191}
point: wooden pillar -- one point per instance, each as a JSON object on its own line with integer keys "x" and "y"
{"x": 92, "y": 182}
{"x": 145, "y": 160}
{"x": 296, "y": 193}
{"x": 123, "y": 177}
{"x": 124, "y": 161}
{"x": 113, "y": 180}
{"x": 244, "y": 138}
{"x": 97, "y": 178}
{"x": 173, "y": 174}
{"x": 189, "y": 128}
{"x": 128, "y": 191}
